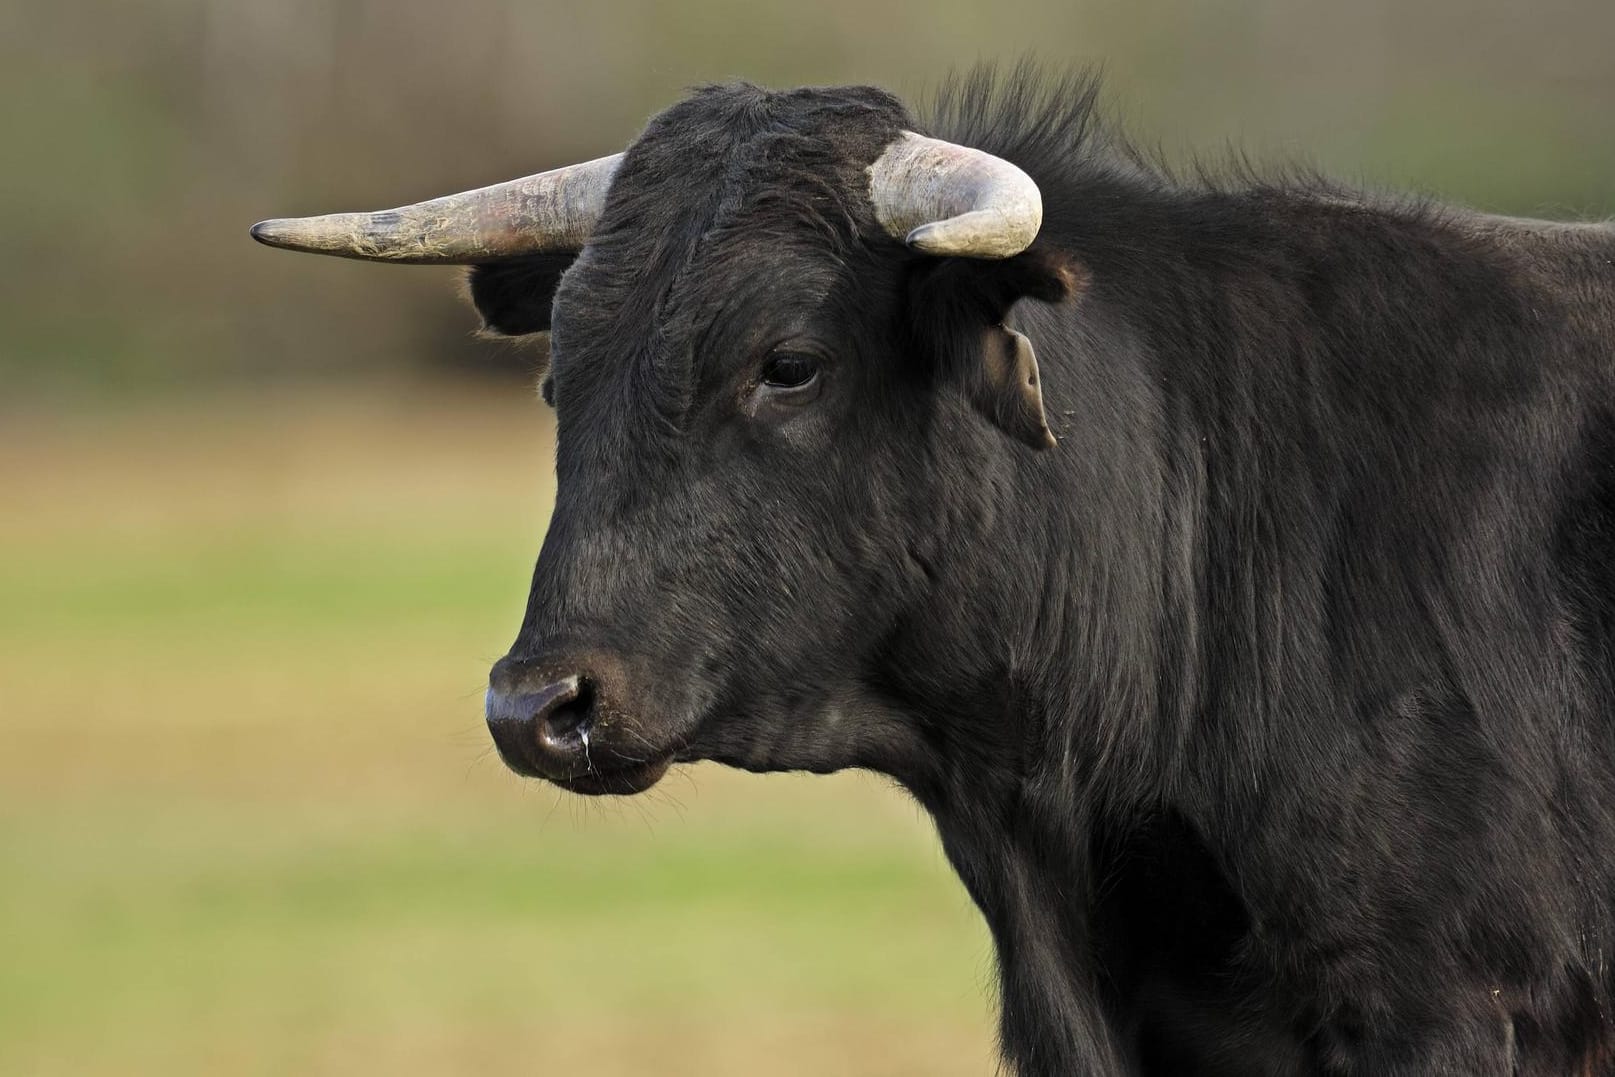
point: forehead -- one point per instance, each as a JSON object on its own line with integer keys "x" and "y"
{"x": 736, "y": 162}
{"x": 722, "y": 136}
{"x": 732, "y": 201}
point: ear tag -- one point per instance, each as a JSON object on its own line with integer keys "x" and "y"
{"x": 1011, "y": 393}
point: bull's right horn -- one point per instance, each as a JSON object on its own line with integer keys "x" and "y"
{"x": 550, "y": 212}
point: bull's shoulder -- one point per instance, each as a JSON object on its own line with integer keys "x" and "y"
{"x": 1587, "y": 245}
{"x": 1536, "y": 229}
{"x": 1571, "y": 261}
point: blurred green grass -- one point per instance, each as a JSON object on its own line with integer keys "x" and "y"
{"x": 250, "y": 823}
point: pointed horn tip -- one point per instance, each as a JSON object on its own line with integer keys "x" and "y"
{"x": 271, "y": 233}
{"x": 332, "y": 234}
{"x": 945, "y": 238}
{"x": 335, "y": 234}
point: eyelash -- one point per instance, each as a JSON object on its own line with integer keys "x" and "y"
{"x": 787, "y": 370}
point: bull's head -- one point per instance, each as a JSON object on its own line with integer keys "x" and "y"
{"x": 783, "y": 386}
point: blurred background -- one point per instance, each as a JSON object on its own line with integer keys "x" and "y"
{"x": 268, "y": 518}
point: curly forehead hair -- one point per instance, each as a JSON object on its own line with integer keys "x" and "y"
{"x": 773, "y": 162}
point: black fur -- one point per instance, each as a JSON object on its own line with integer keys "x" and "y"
{"x": 1268, "y": 718}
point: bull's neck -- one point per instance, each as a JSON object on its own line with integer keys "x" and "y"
{"x": 1085, "y": 655}
{"x": 1022, "y": 852}
{"x": 1015, "y": 780}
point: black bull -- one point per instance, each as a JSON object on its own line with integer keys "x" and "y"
{"x": 1267, "y": 715}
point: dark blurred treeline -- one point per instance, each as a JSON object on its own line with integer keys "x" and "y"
{"x": 142, "y": 136}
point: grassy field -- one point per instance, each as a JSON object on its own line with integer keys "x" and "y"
{"x": 250, "y": 822}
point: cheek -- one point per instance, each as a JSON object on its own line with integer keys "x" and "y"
{"x": 825, "y": 577}
{"x": 808, "y": 527}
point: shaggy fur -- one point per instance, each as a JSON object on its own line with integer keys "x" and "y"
{"x": 1267, "y": 718}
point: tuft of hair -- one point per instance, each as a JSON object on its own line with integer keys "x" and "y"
{"x": 1053, "y": 124}
{"x": 1046, "y": 121}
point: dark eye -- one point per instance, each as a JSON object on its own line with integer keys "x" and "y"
{"x": 789, "y": 370}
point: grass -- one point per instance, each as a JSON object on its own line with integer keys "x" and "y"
{"x": 250, "y": 824}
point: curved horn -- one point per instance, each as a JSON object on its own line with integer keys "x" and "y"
{"x": 947, "y": 199}
{"x": 552, "y": 211}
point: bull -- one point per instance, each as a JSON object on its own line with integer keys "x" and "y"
{"x": 1225, "y": 565}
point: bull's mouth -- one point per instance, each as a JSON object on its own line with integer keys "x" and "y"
{"x": 617, "y": 781}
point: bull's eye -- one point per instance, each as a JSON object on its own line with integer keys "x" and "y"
{"x": 789, "y": 370}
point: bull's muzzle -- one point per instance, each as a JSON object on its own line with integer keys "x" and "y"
{"x": 570, "y": 728}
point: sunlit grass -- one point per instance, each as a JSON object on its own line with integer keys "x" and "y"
{"x": 249, "y": 822}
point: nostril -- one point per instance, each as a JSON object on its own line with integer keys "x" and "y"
{"x": 545, "y": 731}
{"x": 564, "y": 726}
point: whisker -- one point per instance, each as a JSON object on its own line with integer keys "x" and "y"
{"x": 556, "y": 803}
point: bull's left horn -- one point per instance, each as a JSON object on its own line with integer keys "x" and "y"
{"x": 947, "y": 199}
{"x": 552, "y": 211}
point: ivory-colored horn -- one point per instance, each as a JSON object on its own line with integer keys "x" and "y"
{"x": 552, "y": 211}
{"x": 947, "y": 199}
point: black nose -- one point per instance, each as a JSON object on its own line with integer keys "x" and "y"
{"x": 543, "y": 733}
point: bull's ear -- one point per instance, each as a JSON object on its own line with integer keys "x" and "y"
{"x": 959, "y": 306}
{"x": 514, "y": 295}
{"x": 1007, "y": 389}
